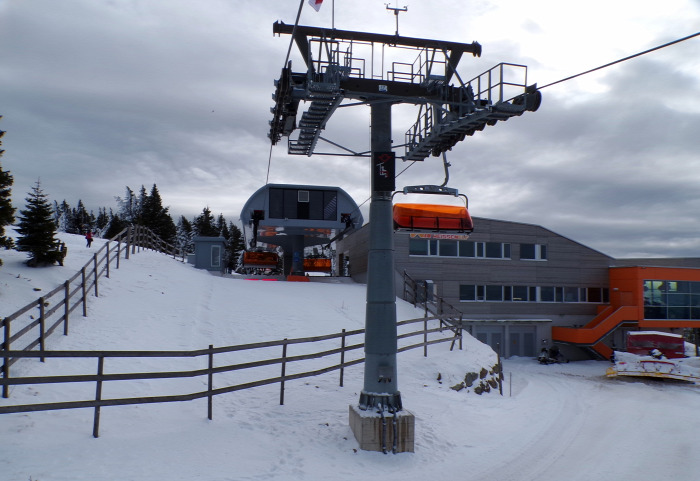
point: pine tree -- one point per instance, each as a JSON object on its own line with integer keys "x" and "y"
{"x": 7, "y": 212}
{"x": 37, "y": 228}
{"x": 234, "y": 246}
{"x": 81, "y": 220}
{"x": 101, "y": 222}
{"x": 156, "y": 217}
{"x": 63, "y": 216}
{"x": 222, "y": 227}
{"x": 140, "y": 204}
{"x": 115, "y": 226}
{"x": 128, "y": 209}
{"x": 204, "y": 225}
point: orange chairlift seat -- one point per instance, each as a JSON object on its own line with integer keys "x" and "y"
{"x": 317, "y": 264}
{"x": 433, "y": 217}
{"x": 260, "y": 259}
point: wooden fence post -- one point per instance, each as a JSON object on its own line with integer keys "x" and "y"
{"x": 284, "y": 369}
{"x": 342, "y": 358}
{"x": 461, "y": 333}
{"x": 210, "y": 376}
{"x": 128, "y": 242}
{"x": 94, "y": 263}
{"x": 119, "y": 250}
{"x": 107, "y": 260}
{"x": 42, "y": 327}
{"x": 66, "y": 306}
{"x": 425, "y": 338}
{"x": 98, "y": 397}
{"x": 84, "y": 289}
{"x": 6, "y": 364}
{"x": 425, "y": 298}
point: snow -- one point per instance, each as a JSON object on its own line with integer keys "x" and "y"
{"x": 565, "y": 421}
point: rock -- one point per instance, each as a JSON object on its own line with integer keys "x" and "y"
{"x": 470, "y": 378}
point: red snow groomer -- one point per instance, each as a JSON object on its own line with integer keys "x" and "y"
{"x": 656, "y": 354}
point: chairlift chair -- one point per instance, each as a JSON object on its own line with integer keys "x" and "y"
{"x": 432, "y": 217}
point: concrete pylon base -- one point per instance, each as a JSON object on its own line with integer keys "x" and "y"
{"x": 377, "y": 434}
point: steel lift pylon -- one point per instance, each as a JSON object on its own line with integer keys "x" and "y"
{"x": 342, "y": 65}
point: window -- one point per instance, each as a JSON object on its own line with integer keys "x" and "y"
{"x": 593, "y": 294}
{"x": 571, "y": 294}
{"x": 546, "y": 294}
{"x": 533, "y": 252}
{"x": 466, "y": 249}
{"x": 520, "y": 293}
{"x": 671, "y": 299}
{"x": 494, "y": 293}
{"x": 448, "y": 248}
{"x": 504, "y": 293}
{"x": 467, "y": 292}
{"x": 417, "y": 247}
{"x": 215, "y": 256}
{"x": 303, "y": 204}
{"x": 507, "y": 293}
{"x": 451, "y": 248}
{"x": 493, "y": 250}
{"x": 433, "y": 243}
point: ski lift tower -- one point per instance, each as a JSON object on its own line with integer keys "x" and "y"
{"x": 342, "y": 65}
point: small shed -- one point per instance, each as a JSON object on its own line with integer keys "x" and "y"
{"x": 209, "y": 253}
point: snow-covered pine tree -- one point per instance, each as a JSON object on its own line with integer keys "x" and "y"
{"x": 128, "y": 209}
{"x": 37, "y": 228}
{"x": 101, "y": 222}
{"x": 234, "y": 246}
{"x": 185, "y": 233}
{"x": 7, "y": 212}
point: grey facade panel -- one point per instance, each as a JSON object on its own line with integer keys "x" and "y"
{"x": 567, "y": 264}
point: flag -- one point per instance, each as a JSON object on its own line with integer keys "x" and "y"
{"x": 316, "y": 4}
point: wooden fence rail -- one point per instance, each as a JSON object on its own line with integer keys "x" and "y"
{"x": 339, "y": 348}
{"x": 24, "y": 330}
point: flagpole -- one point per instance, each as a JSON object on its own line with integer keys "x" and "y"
{"x": 291, "y": 41}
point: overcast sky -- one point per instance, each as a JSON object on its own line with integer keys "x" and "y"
{"x": 98, "y": 95}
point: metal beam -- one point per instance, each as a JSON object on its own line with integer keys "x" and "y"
{"x": 303, "y": 32}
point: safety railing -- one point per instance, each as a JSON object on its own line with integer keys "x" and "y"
{"x": 260, "y": 364}
{"x": 28, "y": 327}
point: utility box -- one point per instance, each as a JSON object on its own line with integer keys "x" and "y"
{"x": 209, "y": 253}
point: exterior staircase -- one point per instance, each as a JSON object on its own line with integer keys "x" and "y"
{"x": 592, "y": 334}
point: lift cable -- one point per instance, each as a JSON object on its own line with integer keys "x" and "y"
{"x": 286, "y": 60}
{"x": 659, "y": 47}
{"x": 639, "y": 54}
{"x": 622, "y": 60}
{"x": 269, "y": 161}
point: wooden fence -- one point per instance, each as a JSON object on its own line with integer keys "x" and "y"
{"x": 28, "y": 328}
{"x": 338, "y": 348}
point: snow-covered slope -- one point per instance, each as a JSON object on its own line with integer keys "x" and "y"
{"x": 565, "y": 421}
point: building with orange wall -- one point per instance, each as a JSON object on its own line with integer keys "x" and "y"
{"x": 521, "y": 287}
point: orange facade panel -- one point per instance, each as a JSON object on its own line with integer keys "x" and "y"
{"x": 432, "y": 217}
{"x": 627, "y": 287}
